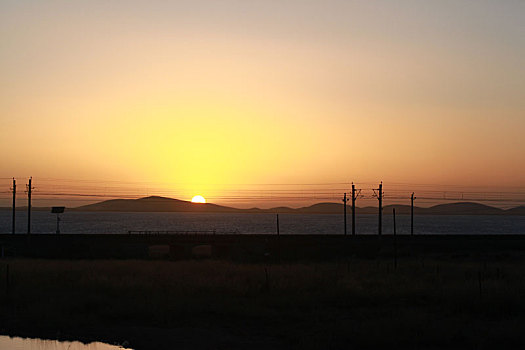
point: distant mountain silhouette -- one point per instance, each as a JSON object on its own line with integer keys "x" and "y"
{"x": 164, "y": 204}
{"x": 516, "y": 211}
{"x": 322, "y": 208}
{"x": 465, "y": 208}
{"x": 154, "y": 204}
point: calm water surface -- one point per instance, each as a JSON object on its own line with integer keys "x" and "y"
{"x": 108, "y": 222}
{"x": 17, "y": 343}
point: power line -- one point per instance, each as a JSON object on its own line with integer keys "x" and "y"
{"x": 91, "y": 190}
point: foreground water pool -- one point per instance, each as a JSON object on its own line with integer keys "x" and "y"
{"x": 16, "y": 343}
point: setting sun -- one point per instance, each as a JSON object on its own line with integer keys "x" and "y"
{"x": 198, "y": 199}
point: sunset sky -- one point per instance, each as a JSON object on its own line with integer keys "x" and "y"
{"x": 205, "y": 97}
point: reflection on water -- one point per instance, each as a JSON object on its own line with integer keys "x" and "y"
{"x": 17, "y": 343}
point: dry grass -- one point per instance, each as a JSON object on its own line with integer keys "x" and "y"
{"x": 361, "y": 303}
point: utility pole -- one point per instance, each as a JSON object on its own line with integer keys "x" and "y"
{"x": 29, "y": 188}
{"x": 379, "y": 196}
{"x": 278, "y": 241}
{"x": 14, "y": 205}
{"x": 355, "y": 194}
{"x": 412, "y": 198}
{"x": 394, "y": 218}
{"x": 344, "y": 205}
{"x": 395, "y": 238}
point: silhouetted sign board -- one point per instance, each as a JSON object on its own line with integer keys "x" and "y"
{"x": 57, "y": 210}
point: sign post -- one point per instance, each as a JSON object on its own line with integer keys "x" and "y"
{"x": 58, "y": 210}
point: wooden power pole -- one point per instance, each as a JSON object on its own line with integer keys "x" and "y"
{"x": 29, "y": 188}
{"x": 379, "y": 196}
{"x": 395, "y": 237}
{"x": 412, "y": 198}
{"x": 355, "y": 194}
{"x": 14, "y": 206}
{"x": 345, "y": 200}
{"x": 394, "y": 218}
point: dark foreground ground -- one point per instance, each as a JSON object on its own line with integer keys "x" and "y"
{"x": 459, "y": 294}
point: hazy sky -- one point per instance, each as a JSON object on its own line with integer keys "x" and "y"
{"x": 195, "y": 94}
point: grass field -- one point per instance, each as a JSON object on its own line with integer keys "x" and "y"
{"x": 436, "y": 302}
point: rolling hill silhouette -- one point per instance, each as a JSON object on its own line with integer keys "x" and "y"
{"x": 154, "y": 204}
{"x": 164, "y": 204}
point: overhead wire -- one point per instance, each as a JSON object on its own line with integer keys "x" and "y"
{"x": 90, "y": 190}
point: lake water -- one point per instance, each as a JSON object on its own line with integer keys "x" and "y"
{"x": 109, "y": 222}
{"x": 16, "y": 343}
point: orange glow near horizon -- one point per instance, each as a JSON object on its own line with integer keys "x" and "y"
{"x": 322, "y": 93}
